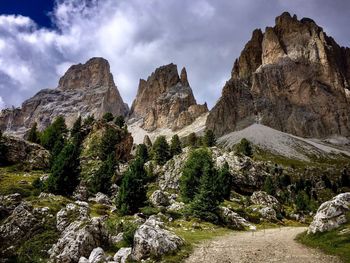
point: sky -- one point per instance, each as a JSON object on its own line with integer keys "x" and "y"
{"x": 40, "y": 39}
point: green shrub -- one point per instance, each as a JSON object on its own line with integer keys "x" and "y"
{"x": 129, "y": 230}
{"x": 244, "y": 148}
{"x": 209, "y": 139}
{"x": 161, "y": 150}
{"x": 108, "y": 117}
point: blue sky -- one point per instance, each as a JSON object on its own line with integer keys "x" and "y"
{"x": 40, "y": 39}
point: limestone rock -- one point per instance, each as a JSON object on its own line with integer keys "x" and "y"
{"x": 159, "y": 198}
{"x": 232, "y": 219}
{"x": 72, "y": 212}
{"x": 264, "y": 199}
{"x": 85, "y": 89}
{"x": 123, "y": 255}
{"x": 8, "y": 203}
{"x": 103, "y": 199}
{"x": 152, "y": 239}
{"x": 331, "y": 214}
{"x": 30, "y": 155}
{"x": 166, "y": 100}
{"x": 268, "y": 213}
{"x": 97, "y": 256}
{"x": 293, "y": 78}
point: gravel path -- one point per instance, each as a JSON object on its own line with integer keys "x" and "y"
{"x": 272, "y": 245}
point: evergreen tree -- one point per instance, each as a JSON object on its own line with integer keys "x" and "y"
{"x": 33, "y": 135}
{"x": 269, "y": 186}
{"x": 119, "y": 121}
{"x": 65, "y": 170}
{"x": 109, "y": 140}
{"x": 206, "y": 202}
{"x": 89, "y": 120}
{"x": 224, "y": 181}
{"x": 192, "y": 172}
{"x": 244, "y": 148}
{"x": 192, "y": 139}
{"x": 345, "y": 178}
{"x": 108, "y": 117}
{"x": 142, "y": 152}
{"x": 132, "y": 193}
{"x": 175, "y": 145}
{"x": 53, "y": 133}
{"x": 302, "y": 201}
{"x": 209, "y": 139}
{"x": 3, "y": 150}
{"x": 75, "y": 132}
{"x": 102, "y": 179}
{"x": 161, "y": 151}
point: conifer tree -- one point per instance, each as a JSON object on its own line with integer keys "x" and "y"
{"x": 102, "y": 179}
{"x": 269, "y": 186}
{"x": 209, "y": 139}
{"x": 33, "y": 135}
{"x": 132, "y": 193}
{"x": 110, "y": 138}
{"x": 244, "y": 148}
{"x": 3, "y": 150}
{"x": 107, "y": 117}
{"x": 119, "y": 121}
{"x": 142, "y": 152}
{"x": 224, "y": 181}
{"x": 175, "y": 145}
{"x": 192, "y": 139}
{"x": 161, "y": 151}
{"x": 53, "y": 133}
{"x": 75, "y": 132}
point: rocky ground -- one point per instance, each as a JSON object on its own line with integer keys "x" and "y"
{"x": 271, "y": 245}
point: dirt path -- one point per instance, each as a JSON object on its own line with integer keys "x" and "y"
{"x": 272, "y": 245}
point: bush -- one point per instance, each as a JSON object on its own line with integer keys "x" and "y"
{"x": 244, "y": 148}
{"x": 192, "y": 139}
{"x": 302, "y": 201}
{"x": 129, "y": 230}
{"x": 119, "y": 121}
{"x": 108, "y": 117}
{"x": 161, "y": 151}
{"x": 89, "y": 120}
{"x": 269, "y": 186}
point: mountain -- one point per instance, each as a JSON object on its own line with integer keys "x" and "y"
{"x": 83, "y": 90}
{"x": 165, "y": 100}
{"x": 293, "y": 78}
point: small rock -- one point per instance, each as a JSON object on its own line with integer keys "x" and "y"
{"x": 122, "y": 255}
{"x": 97, "y": 256}
{"x": 159, "y": 198}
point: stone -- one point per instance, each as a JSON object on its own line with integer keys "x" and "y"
{"x": 293, "y": 78}
{"x": 102, "y": 199}
{"x": 176, "y": 206}
{"x": 264, "y": 199}
{"x": 123, "y": 255}
{"x": 159, "y": 198}
{"x": 8, "y": 203}
{"x": 97, "y": 256}
{"x": 331, "y": 214}
{"x": 268, "y": 213}
{"x": 85, "y": 89}
{"x": 232, "y": 219}
{"x": 71, "y": 213}
{"x": 166, "y": 100}
{"x": 152, "y": 239}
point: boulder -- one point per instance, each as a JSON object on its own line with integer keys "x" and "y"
{"x": 176, "y": 206}
{"x": 123, "y": 255}
{"x": 159, "y": 198}
{"x": 331, "y": 214}
{"x": 264, "y": 199}
{"x": 72, "y": 212}
{"x": 232, "y": 219}
{"x": 152, "y": 239}
{"x": 268, "y": 213}
{"x": 97, "y": 256}
{"x": 8, "y": 203}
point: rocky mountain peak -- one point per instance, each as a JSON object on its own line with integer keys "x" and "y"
{"x": 166, "y": 100}
{"x": 292, "y": 77}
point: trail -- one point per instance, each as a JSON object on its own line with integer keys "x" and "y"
{"x": 272, "y": 245}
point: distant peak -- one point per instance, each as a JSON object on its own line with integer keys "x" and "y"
{"x": 183, "y": 77}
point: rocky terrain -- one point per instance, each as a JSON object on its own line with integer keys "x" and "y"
{"x": 85, "y": 89}
{"x": 293, "y": 78}
{"x": 165, "y": 100}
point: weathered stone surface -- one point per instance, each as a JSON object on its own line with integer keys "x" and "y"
{"x": 268, "y": 213}
{"x": 159, "y": 198}
{"x": 85, "y": 89}
{"x": 8, "y": 203}
{"x": 264, "y": 199}
{"x": 166, "y": 100}
{"x": 293, "y": 78}
{"x": 30, "y": 155}
{"x": 152, "y": 239}
{"x": 97, "y": 256}
{"x": 123, "y": 255}
{"x": 232, "y": 219}
{"x": 72, "y": 212}
{"x": 331, "y": 214}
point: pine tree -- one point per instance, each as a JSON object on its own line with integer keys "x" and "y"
{"x": 33, "y": 135}
{"x": 3, "y": 150}
{"x": 345, "y": 178}
{"x": 109, "y": 140}
{"x": 132, "y": 193}
{"x": 192, "y": 139}
{"x": 142, "y": 152}
{"x": 244, "y": 148}
{"x": 102, "y": 179}
{"x": 161, "y": 151}
{"x": 65, "y": 170}
{"x": 107, "y": 117}
{"x": 302, "y": 201}
{"x": 225, "y": 181}
{"x": 119, "y": 121}
{"x": 269, "y": 186}
{"x": 175, "y": 145}
{"x": 206, "y": 202}
{"x": 53, "y": 133}
{"x": 209, "y": 139}
{"x": 75, "y": 132}
{"x": 89, "y": 120}
{"x": 192, "y": 172}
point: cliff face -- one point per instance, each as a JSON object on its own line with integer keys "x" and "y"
{"x": 293, "y": 78}
{"x": 83, "y": 90}
{"x": 166, "y": 100}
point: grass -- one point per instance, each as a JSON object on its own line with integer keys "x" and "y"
{"x": 335, "y": 242}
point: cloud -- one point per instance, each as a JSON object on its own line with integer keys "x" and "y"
{"x": 136, "y": 36}
{"x": 2, "y": 103}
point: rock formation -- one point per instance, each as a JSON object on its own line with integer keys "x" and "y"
{"x": 166, "y": 100}
{"x": 293, "y": 77}
{"x": 84, "y": 89}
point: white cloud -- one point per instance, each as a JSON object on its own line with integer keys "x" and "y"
{"x": 2, "y": 103}
{"x": 136, "y": 36}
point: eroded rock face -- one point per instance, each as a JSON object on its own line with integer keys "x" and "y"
{"x": 85, "y": 89}
{"x": 30, "y": 155}
{"x": 293, "y": 78}
{"x": 159, "y": 198}
{"x": 232, "y": 219}
{"x": 264, "y": 199}
{"x": 166, "y": 100}
{"x": 331, "y": 214}
{"x": 152, "y": 239}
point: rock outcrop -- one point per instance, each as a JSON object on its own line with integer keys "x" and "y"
{"x": 85, "y": 89}
{"x": 331, "y": 214}
{"x": 293, "y": 78}
{"x": 166, "y": 100}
